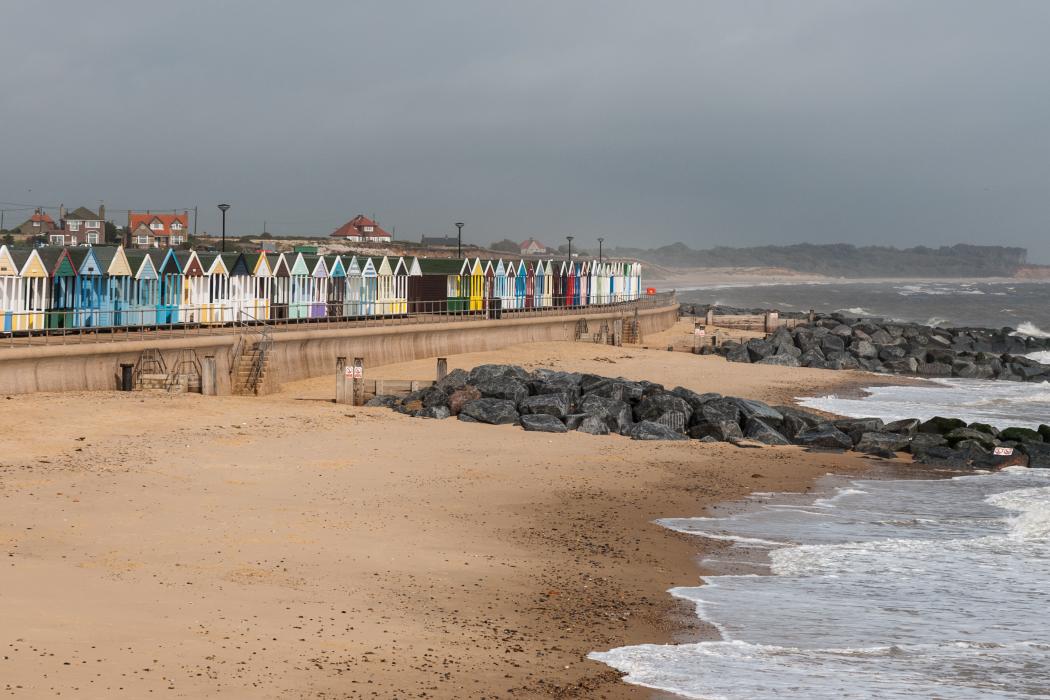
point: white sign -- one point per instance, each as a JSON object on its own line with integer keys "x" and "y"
{"x": 358, "y": 373}
{"x": 1003, "y": 451}
{"x": 699, "y": 332}
{"x": 348, "y": 371}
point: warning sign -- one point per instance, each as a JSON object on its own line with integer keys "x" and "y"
{"x": 1003, "y": 451}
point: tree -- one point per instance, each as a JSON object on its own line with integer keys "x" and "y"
{"x": 505, "y": 246}
{"x": 8, "y": 238}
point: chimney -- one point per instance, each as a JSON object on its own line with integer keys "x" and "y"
{"x": 62, "y": 215}
{"x": 102, "y": 212}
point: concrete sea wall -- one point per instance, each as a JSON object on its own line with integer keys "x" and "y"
{"x": 296, "y": 354}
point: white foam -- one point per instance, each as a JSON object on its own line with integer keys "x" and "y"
{"x": 1030, "y": 330}
{"x": 1042, "y": 357}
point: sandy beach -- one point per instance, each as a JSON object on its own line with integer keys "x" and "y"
{"x": 288, "y": 547}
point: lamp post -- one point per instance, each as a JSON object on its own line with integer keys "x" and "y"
{"x": 569, "y": 238}
{"x": 459, "y": 239}
{"x": 600, "y": 250}
{"x": 224, "y": 208}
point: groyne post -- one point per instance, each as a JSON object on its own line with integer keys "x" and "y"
{"x": 710, "y": 319}
{"x": 772, "y": 320}
{"x": 208, "y": 376}
{"x": 358, "y": 385}
{"x": 341, "y": 377}
{"x": 442, "y": 368}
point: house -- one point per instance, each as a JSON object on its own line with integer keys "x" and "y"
{"x": 439, "y": 241}
{"x": 361, "y": 229}
{"x": 80, "y": 227}
{"x": 39, "y": 224}
{"x": 532, "y": 247}
{"x": 149, "y": 230}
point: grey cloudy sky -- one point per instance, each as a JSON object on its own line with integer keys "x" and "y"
{"x": 736, "y": 122}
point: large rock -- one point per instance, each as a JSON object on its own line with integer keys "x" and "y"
{"x": 940, "y": 425}
{"x": 692, "y": 398}
{"x": 616, "y": 414}
{"x": 863, "y": 348}
{"x": 502, "y": 388}
{"x": 483, "y": 373}
{"x": 906, "y": 426}
{"x": 593, "y": 426}
{"x": 780, "y": 361}
{"x": 1021, "y": 435}
{"x": 723, "y": 430}
{"x": 738, "y": 353}
{"x": 456, "y": 379}
{"x": 922, "y": 442}
{"x": 1038, "y": 454}
{"x": 750, "y": 408}
{"x": 832, "y": 343}
{"x": 654, "y": 406}
{"x": 719, "y": 410}
{"x": 384, "y": 401}
{"x": 439, "y": 412}
{"x": 879, "y": 442}
{"x": 461, "y": 397}
{"x": 557, "y": 405}
{"x": 759, "y": 430}
{"x": 812, "y": 358}
{"x": 618, "y": 389}
{"x": 648, "y": 430}
{"x": 543, "y": 423}
{"x": 433, "y": 396}
{"x": 960, "y": 434}
{"x": 826, "y": 437}
{"x": 759, "y": 349}
{"x": 491, "y": 411}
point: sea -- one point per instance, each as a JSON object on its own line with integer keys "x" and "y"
{"x": 902, "y": 585}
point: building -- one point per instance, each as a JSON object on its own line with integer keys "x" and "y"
{"x": 80, "y": 227}
{"x": 149, "y": 230}
{"x": 532, "y": 247}
{"x": 439, "y": 241}
{"x": 39, "y": 224}
{"x": 361, "y": 229}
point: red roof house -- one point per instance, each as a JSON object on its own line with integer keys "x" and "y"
{"x": 148, "y": 230}
{"x": 532, "y": 247}
{"x": 361, "y": 228}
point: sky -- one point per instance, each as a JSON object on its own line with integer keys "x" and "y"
{"x": 712, "y": 123}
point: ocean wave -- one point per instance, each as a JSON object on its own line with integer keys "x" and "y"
{"x": 1030, "y": 330}
{"x": 1042, "y": 357}
{"x": 1033, "y": 504}
{"x": 856, "y": 311}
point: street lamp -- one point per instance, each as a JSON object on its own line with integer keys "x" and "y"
{"x": 600, "y": 250}
{"x": 224, "y": 208}
{"x": 570, "y": 246}
{"x": 459, "y": 239}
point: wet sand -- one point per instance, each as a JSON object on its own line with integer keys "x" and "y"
{"x": 288, "y": 547}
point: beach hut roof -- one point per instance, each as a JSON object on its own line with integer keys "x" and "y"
{"x": 369, "y": 268}
{"x": 320, "y": 267}
{"x": 335, "y": 266}
{"x": 142, "y": 263}
{"x": 216, "y": 265}
{"x": 57, "y": 262}
{"x": 441, "y": 266}
{"x": 384, "y": 267}
{"x": 261, "y": 266}
{"x": 8, "y": 266}
{"x": 91, "y": 265}
{"x": 353, "y": 268}
{"x": 29, "y": 263}
{"x": 400, "y": 268}
{"x": 299, "y": 266}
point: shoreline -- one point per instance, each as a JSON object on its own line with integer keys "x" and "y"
{"x": 286, "y": 546}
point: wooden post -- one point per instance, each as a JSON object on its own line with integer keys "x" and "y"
{"x": 208, "y": 376}
{"x": 771, "y": 321}
{"x": 341, "y": 380}
{"x": 710, "y": 319}
{"x": 442, "y": 368}
{"x": 358, "y": 385}
{"x": 812, "y": 316}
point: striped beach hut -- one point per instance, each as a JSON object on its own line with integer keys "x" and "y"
{"x": 103, "y": 287}
{"x": 280, "y": 286}
{"x": 145, "y": 289}
{"x": 261, "y": 282}
{"x": 319, "y": 278}
{"x": 26, "y": 306}
{"x": 169, "y": 275}
{"x": 299, "y": 292}
{"x": 336, "y": 286}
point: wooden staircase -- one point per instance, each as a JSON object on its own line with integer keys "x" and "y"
{"x": 252, "y": 374}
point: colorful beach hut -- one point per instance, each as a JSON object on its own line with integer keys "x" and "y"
{"x": 280, "y": 286}
{"x": 26, "y": 307}
{"x": 336, "y": 286}
{"x": 104, "y": 280}
{"x": 319, "y": 288}
{"x": 438, "y": 285}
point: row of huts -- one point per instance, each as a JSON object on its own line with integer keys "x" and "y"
{"x": 97, "y": 287}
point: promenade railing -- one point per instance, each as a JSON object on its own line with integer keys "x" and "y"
{"x": 58, "y": 327}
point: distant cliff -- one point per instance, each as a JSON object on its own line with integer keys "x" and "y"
{"x": 841, "y": 260}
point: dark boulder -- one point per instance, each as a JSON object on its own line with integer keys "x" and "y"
{"x": 921, "y": 442}
{"x": 433, "y": 396}
{"x": 907, "y": 426}
{"x": 759, "y": 430}
{"x": 719, "y": 410}
{"x": 574, "y": 420}
{"x": 593, "y": 426}
{"x": 882, "y": 442}
{"x": 813, "y": 358}
{"x": 483, "y": 373}
{"x": 616, "y": 414}
{"x": 738, "y": 353}
{"x": 1021, "y": 435}
{"x": 648, "y": 430}
{"x": 1038, "y": 454}
{"x": 439, "y": 412}
{"x": 618, "y": 389}
{"x": 384, "y": 401}
{"x": 557, "y": 405}
{"x": 863, "y": 348}
{"x": 491, "y": 411}
{"x": 960, "y": 434}
{"x": 759, "y": 349}
{"x": 780, "y": 361}
{"x": 692, "y": 398}
{"x": 654, "y": 406}
{"x": 934, "y": 369}
{"x": 938, "y": 425}
{"x": 750, "y": 408}
{"x": 907, "y": 365}
{"x": 722, "y": 430}
{"x": 502, "y": 388}
{"x": 985, "y": 428}
{"x": 542, "y": 423}
{"x": 832, "y": 343}
{"x": 455, "y": 379}
{"x": 824, "y": 437}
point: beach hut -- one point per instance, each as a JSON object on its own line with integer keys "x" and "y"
{"x": 387, "y": 300}
{"x": 26, "y": 305}
{"x": 336, "y": 286}
{"x": 62, "y": 292}
{"x": 103, "y": 287}
{"x": 244, "y": 304}
{"x": 583, "y": 282}
{"x": 481, "y": 275}
{"x": 194, "y": 287}
{"x": 369, "y": 295}
{"x": 438, "y": 285}
{"x": 280, "y": 283}
{"x": 169, "y": 275}
{"x": 299, "y": 292}
{"x": 500, "y": 276}
{"x": 10, "y": 303}
{"x": 521, "y": 277}
{"x": 215, "y": 300}
{"x": 354, "y": 289}
{"x": 261, "y": 281}
{"x": 539, "y": 296}
{"x": 145, "y": 289}
{"x": 530, "y": 284}
{"x": 319, "y": 278}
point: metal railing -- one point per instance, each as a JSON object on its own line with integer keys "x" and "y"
{"x": 58, "y": 327}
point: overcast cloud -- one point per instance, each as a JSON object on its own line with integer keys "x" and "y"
{"x": 713, "y": 123}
